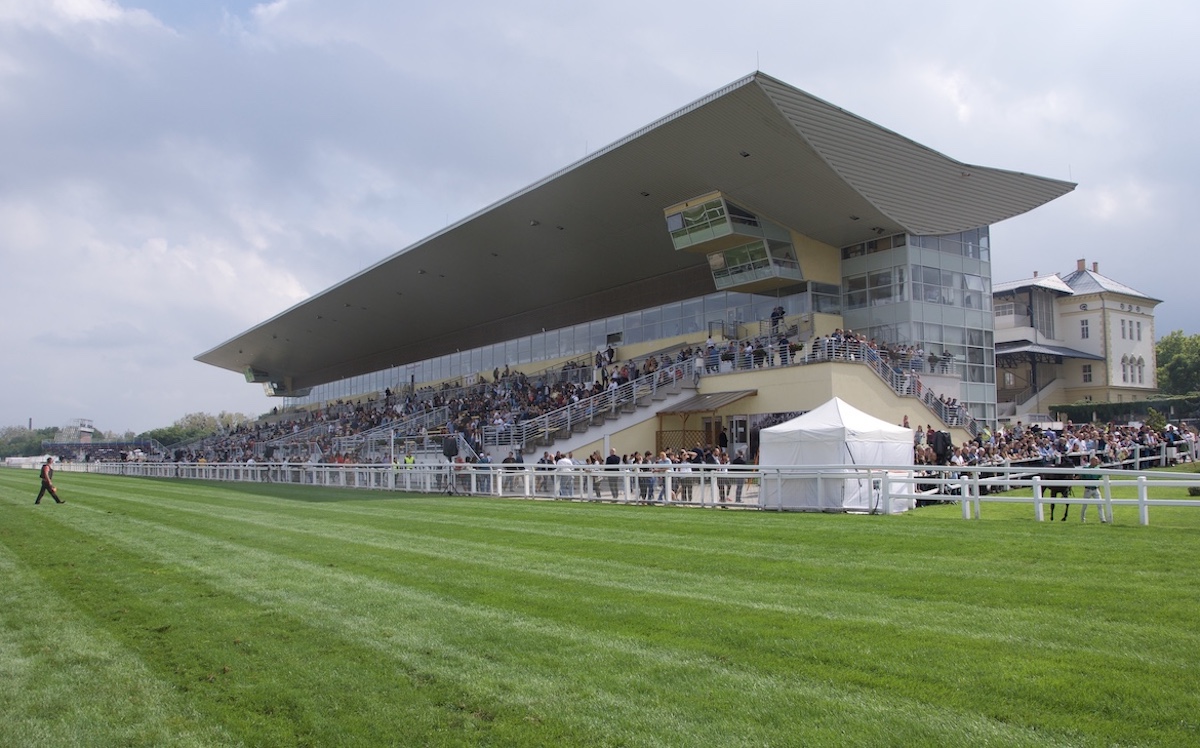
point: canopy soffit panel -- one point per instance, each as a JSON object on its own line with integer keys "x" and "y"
{"x": 590, "y": 241}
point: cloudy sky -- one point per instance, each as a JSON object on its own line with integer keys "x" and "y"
{"x": 173, "y": 172}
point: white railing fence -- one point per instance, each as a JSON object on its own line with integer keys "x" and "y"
{"x": 762, "y": 487}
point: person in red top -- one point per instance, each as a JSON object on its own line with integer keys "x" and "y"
{"x": 48, "y": 483}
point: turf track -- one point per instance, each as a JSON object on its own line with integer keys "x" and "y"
{"x": 169, "y": 613}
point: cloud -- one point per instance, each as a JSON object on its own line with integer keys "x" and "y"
{"x": 176, "y": 173}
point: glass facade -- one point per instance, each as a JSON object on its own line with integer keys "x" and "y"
{"x": 692, "y": 316}
{"x": 932, "y": 291}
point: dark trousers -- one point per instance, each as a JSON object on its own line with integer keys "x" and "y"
{"x": 47, "y": 488}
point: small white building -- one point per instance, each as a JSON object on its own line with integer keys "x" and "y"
{"x": 1073, "y": 338}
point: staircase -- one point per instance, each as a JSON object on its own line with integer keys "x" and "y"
{"x": 604, "y": 408}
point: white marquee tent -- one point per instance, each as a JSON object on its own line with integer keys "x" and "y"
{"x": 839, "y": 435}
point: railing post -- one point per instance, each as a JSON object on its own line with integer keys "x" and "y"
{"x": 1107, "y": 497}
{"x": 885, "y": 487}
{"x": 975, "y": 492}
{"x": 1143, "y": 507}
{"x": 1038, "y": 512}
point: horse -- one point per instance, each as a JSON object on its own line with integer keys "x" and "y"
{"x": 1060, "y": 491}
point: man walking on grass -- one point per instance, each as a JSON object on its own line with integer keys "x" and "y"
{"x": 48, "y": 483}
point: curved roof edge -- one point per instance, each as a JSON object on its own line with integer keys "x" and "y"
{"x": 880, "y": 165}
{"x": 756, "y": 139}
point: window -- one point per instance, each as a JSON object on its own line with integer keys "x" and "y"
{"x": 1124, "y": 368}
{"x": 1083, "y": 331}
{"x": 1141, "y": 370}
{"x": 1122, "y": 329}
{"x": 855, "y": 290}
{"x": 1087, "y": 372}
{"x": 1139, "y": 330}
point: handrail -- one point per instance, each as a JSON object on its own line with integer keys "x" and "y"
{"x": 409, "y": 425}
{"x": 904, "y": 380}
{"x": 518, "y": 436}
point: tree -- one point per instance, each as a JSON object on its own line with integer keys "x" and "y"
{"x": 1178, "y": 363}
{"x": 18, "y": 441}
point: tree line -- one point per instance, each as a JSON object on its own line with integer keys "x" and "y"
{"x": 21, "y": 441}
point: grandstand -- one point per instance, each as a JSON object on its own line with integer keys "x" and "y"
{"x": 752, "y": 254}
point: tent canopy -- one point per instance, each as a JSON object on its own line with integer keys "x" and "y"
{"x": 836, "y": 435}
{"x": 838, "y": 419}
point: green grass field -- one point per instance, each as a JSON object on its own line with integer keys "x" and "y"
{"x": 155, "y": 613}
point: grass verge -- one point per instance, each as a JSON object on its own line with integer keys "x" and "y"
{"x": 169, "y": 613}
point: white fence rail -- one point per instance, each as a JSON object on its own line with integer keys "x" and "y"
{"x": 732, "y": 486}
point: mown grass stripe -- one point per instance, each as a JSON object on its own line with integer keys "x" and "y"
{"x": 57, "y": 672}
{"x": 1015, "y": 624}
{"x": 503, "y": 622}
{"x": 348, "y": 606}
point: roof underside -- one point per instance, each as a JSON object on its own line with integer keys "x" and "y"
{"x": 591, "y": 242}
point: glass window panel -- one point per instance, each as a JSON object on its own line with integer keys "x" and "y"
{"x": 580, "y": 341}
{"x": 783, "y": 254}
{"x": 827, "y": 304}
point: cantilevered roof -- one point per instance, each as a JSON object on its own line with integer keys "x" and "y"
{"x": 590, "y": 241}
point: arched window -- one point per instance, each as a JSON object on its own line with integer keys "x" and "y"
{"x": 1141, "y": 370}
{"x": 1124, "y": 368}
